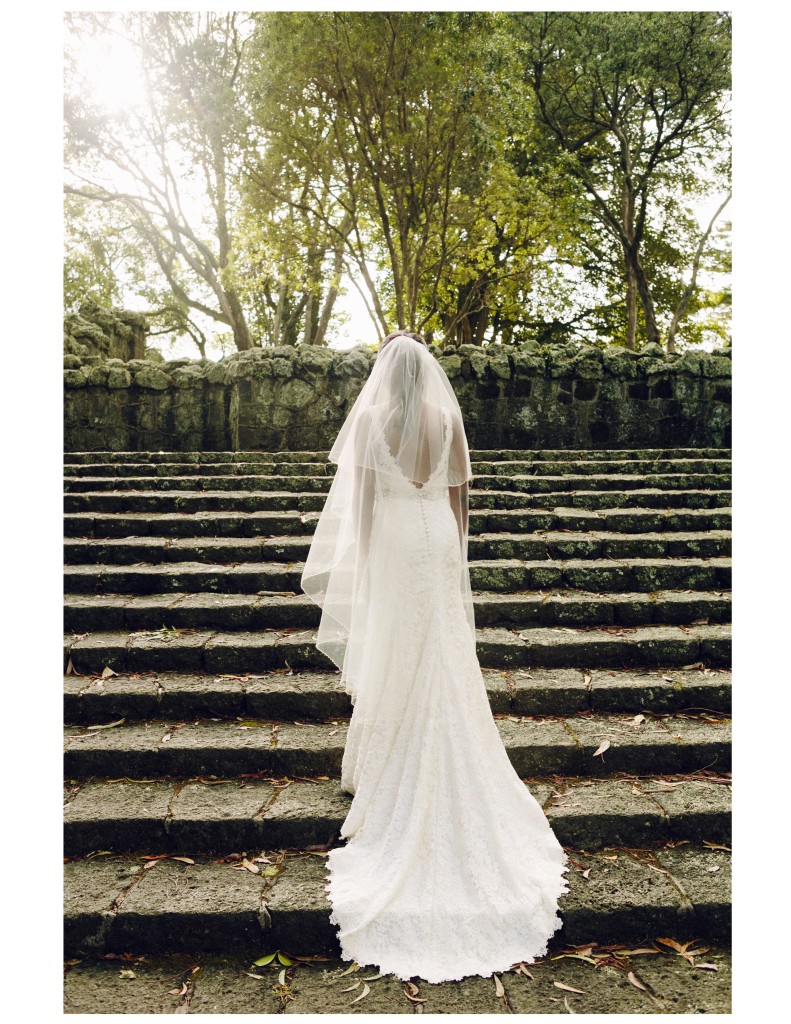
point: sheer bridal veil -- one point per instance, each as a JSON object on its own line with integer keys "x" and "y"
{"x": 403, "y": 433}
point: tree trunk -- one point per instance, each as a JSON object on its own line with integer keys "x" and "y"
{"x": 652, "y": 335}
{"x": 241, "y": 332}
{"x": 281, "y": 298}
{"x": 631, "y": 308}
{"x": 335, "y": 280}
{"x": 307, "y": 336}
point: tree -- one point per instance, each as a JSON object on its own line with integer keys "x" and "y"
{"x": 376, "y": 129}
{"x": 634, "y": 105}
{"x": 186, "y": 139}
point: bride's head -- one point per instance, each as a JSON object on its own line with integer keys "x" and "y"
{"x": 403, "y": 377}
{"x": 406, "y": 334}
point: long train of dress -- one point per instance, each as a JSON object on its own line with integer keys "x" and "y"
{"x": 451, "y": 867}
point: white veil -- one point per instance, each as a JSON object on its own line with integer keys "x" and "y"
{"x": 407, "y": 403}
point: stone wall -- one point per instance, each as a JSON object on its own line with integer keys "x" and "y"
{"x": 106, "y": 333}
{"x": 526, "y": 396}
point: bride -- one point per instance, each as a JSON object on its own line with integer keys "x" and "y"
{"x": 450, "y": 868}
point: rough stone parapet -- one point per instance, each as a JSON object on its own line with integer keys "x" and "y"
{"x": 94, "y": 334}
{"x": 288, "y": 398}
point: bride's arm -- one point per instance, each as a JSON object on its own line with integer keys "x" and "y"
{"x": 364, "y": 485}
{"x": 457, "y": 496}
{"x": 365, "y": 493}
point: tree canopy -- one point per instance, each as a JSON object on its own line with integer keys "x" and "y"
{"x": 477, "y": 176}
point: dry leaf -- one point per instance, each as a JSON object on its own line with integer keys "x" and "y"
{"x": 605, "y": 745}
{"x": 674, "y": 945}
{"x": 363, "y": 994}
{"x": 567, "y": 1004}
{"x": 351, "y": 988}
{"x": 636, "y": 981}
{"x": 127, "y": 974}
{"x": 586, "y": 873}
{"x": 184, "y": 860}
{"x": 107, "y": 672}
{"x": 706, "y": 967}
{"x": 498, "y": 987}
{"x": 259, "y": 977}
{"x": 249, "y": 866}
{"x": 568, "y": 988}
{"x": 70, "y": 668}
{"x": 638, "y": 720}
{"x": 521, "y": 969}
{"x": 109, "y": 725}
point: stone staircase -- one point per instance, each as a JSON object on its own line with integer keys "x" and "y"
{"x": 204, "y": 735}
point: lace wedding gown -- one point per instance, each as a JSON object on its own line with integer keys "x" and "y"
{"x": 451, "y": 868}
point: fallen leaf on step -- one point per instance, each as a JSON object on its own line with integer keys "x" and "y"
{"x": 636, "y": 981}
{"x": 706, "y": 967}
{"x": 109, "y": 725}
{"x": 131, "y": 974}
{"x": 184, "y": 860}
{"x": 107, "y": 672}
{"x": 638, "y": 720}
{"x": 351, "y": 988}
{"x": 363, "y": 994}
{"x": 522, "y": 969}
{"x": 568, "y": 988}
{"x": 248, "y": 865}
{"x": 605, "y": 745}
{"x": 498, "y": 987}
{"x": 70, "y": 668}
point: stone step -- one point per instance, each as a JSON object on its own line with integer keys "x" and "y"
{"x": 252, "y": 501}
{"x": 213, "y": 816}
{"x": 504, "y": 575}
{"x": 316, "y": 696}
{"x": 537, "y": 747}
{"x": 316, "y": 467}
{"x": 118, "y": 904}
{"x": 226, "y": 983}
{"x": 488, "y": 454}
{"x": 561, "y": 647}
{"x": 88, "y": 612}
{"x": 485, "y": 546}
{"x": 278, "y": 524}
{"x": 320, "y": 483}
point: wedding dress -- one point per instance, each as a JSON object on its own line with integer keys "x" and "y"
{"x": 450, "y": 867}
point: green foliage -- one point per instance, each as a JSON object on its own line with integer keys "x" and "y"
{"x": 481, "y": 175}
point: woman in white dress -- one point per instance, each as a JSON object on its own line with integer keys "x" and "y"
{"x": 450, "y": 867}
